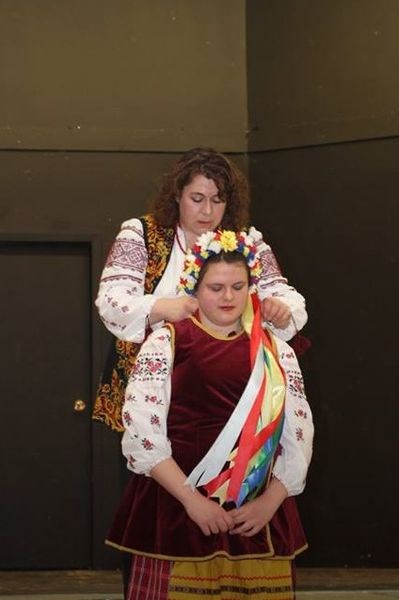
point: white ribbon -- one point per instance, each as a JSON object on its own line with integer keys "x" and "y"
{"x": 212, "y": 463}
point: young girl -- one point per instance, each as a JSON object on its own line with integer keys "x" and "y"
{"x": 219, "y": 435}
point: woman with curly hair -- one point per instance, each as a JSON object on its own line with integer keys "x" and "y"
{"x": 203, "y": 190}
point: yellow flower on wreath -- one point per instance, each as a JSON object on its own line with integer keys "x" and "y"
{"x": 228, "y": 241}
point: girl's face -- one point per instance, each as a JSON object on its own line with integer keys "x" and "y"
{"x": 222, "y": 295}
{"x": 200, "y": 208}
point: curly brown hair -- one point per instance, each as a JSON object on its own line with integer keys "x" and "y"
{"x": 230, "y": 181}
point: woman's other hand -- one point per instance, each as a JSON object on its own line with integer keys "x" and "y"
{"x": 173, "y": 309}
{"x": 207, "y": 514}
{"x": 276, "y": 311}
{"x": 250, "y": 518}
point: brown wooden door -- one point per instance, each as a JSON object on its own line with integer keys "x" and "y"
{"x": 45, "y": 444}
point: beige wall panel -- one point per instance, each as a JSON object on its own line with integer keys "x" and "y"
{"x": 123, "y": 74}
{"x": 322, "y": 71}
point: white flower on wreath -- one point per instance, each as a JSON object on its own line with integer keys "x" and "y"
{"x": 205, "y": 238}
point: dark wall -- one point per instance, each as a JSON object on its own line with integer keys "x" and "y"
{"x": 322, "y": 95}
{"x": 331, "y": 215}
{"x": 76, "y": 192}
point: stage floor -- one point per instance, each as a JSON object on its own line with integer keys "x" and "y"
{"x": 313, "y": 584}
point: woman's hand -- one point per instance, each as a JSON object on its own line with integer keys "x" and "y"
{"x": 253, "y": 516}
{"x": 276, "y": 311}
{"x": 207, "y": 514}
{"x": 173, "y": 309}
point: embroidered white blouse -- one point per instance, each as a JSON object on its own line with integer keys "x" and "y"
{"x": 123, "y": 306}
{"x": 145, "y": 440}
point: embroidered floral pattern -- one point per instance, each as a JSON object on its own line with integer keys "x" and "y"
{"x": 109, "y": 402}
{"x": 123, "y": 277}
{"x": 128, "y": 254}
{"x": 155, "y": 420}
{"x": 299, "y": 434}
{"x": 127, "y": 418}
{"x": 150, "y": 367}
{"x": 147, "y": 444}
{"x": 269, "y": 264}
{"x": 300, "y": 413}
{"x": 159, "y": 242}
{"x": 152, "y": 399}
{"x": 295, "y": 384}
{"x": 287, "y": 355}
{"x": 127, "y": 352}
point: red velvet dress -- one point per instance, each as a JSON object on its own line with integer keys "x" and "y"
{"x": 208, "y": 379}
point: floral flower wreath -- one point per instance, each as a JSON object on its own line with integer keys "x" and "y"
{"x": 212, "y": 243}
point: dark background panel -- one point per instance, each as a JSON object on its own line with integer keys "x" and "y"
{"x": 79, "y": 193}
{"x": 331, "y": 214}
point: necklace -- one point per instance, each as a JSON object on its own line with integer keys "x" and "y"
{"x": 178, "y": 240}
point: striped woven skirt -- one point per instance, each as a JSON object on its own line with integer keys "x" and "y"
{"x": 216, "y": 579}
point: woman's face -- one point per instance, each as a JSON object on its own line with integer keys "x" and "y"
{"x": 200, "y": 207}
{"x": 222, "y": 295}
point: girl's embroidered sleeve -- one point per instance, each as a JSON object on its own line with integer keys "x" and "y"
{"x": 291, "y": 465}
{"x": 145, "y": 442}
{"x": 272, "y": 284}
{"x": 121, "y": 302}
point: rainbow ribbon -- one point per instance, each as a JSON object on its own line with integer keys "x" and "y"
{"x": 235, "y": 472}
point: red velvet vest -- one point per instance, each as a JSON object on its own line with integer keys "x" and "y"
{"x": 208, "y": 379}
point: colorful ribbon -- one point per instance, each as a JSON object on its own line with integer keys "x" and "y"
{"x": 250, "y": 437}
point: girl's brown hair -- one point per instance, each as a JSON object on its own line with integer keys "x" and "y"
{"x": 230, "y": 181}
